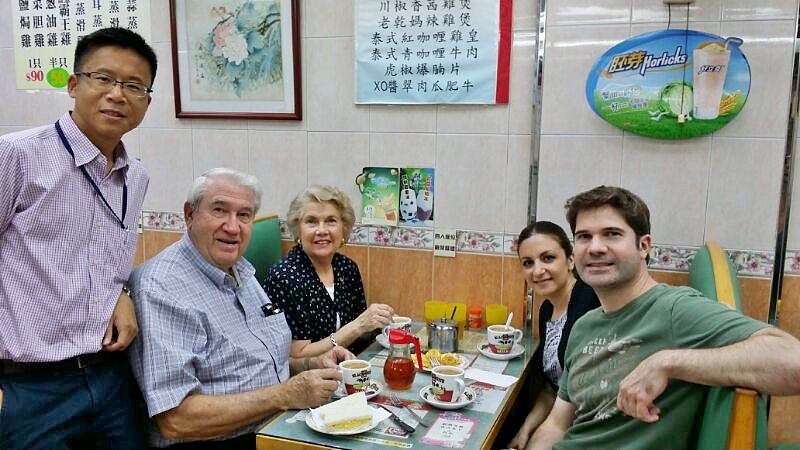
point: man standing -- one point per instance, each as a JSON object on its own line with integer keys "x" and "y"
{"x": 213, "y": 357}
{"x": 69, "y": 202}
{"x": 637, "y": 368}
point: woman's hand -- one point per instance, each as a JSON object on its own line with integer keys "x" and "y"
{"x": 375, "y": 317}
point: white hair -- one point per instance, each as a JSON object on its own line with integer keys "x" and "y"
{"x": 200, "y": 185}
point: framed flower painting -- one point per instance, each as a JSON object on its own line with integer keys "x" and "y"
{"x": 236, "y": 59}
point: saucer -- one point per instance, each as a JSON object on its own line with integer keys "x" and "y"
{"x": 372, "y": 390}
{"x": 466, "y": 398}
{"x": 517, "y": 350}
{"x": 376, "y": 419}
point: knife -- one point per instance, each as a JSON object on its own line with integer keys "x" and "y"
{"x": 404, "y": 426}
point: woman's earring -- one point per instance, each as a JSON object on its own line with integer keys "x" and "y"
{"x": 344, "y": 242}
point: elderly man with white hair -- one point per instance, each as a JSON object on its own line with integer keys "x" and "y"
{"x": 213, "y": 357}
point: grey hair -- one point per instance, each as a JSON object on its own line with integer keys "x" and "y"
{"x": 320, "y": 194}
{"x": 200, "y": 185}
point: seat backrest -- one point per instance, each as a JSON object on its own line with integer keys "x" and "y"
{"x": 733, "y": 418}
{"x": 264, "y": 248}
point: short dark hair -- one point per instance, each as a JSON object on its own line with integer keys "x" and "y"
{"x": 632, "y": 208}
{"x": 115, "y": 37}
{"x": 549, "y": 229}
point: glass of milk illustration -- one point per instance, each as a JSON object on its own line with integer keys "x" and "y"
{"x": 711, "y": 60}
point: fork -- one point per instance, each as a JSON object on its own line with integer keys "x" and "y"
{"x": 434, "y": 361}
{"x": 396, "y": 402}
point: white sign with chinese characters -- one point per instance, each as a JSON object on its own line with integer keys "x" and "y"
{"x": 444, "y": 242}
{"x": 432, "y": 51}
{"x": 46, "y": 32}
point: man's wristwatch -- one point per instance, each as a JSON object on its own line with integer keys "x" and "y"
{"x": 333, "y": 340}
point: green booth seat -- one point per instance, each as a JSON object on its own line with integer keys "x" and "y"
{"x": 264, "y": 249}
{"x": 733, "y": 418}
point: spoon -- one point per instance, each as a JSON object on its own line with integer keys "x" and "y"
{"x": 508, "y": 321}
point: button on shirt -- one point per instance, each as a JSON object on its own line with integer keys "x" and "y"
{"x": 200, "y": 333}
{"x": 63, "y": 256}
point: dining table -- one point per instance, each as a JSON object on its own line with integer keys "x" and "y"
{"x": 473, "y": 427}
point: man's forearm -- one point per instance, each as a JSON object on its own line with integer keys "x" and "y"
{"x": 211, "y": 416}
{"x": 768, "y": 361}
{"x": 546, "y": 436}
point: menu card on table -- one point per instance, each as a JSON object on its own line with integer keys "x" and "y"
{"x": 450, "y": 430}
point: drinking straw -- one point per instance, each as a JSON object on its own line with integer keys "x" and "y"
{"x": 453, "y": 314}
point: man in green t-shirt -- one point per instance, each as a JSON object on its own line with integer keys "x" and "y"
{"x": 637, "y": 368}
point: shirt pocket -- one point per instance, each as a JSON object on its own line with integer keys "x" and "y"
{"x": 279, "y": 337}
{"x": 120, "y": 250}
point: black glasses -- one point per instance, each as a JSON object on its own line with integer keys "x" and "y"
{"x": 104, "y": 81}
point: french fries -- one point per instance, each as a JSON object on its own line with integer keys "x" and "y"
{"x": 445, "y": 359}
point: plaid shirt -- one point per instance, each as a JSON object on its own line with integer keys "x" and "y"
{"x": 63, "y": 256}
{"x": 200, "y": 334}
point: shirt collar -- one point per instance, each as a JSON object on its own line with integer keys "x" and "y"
{"x": 85, "y": 151}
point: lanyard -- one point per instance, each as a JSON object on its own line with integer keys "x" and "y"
{"x": 94, "y": 185}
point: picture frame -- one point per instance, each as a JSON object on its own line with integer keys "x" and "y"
{"x": 236, "y": 59}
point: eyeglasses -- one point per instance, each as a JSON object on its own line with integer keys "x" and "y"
{"x": 104, "y": 81}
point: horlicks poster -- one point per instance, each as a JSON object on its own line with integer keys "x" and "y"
{"x": 670, "y": 84}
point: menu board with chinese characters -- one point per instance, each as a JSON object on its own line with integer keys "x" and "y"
{"x": 432, "y": 51}
{"x": 46, "y": 32}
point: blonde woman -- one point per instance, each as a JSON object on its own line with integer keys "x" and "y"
{"x": 319, "y": 289}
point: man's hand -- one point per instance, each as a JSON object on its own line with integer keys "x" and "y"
{"x": 311, "y": 388}
{"x": 638, "y": 390}
{"x": 333, "y": 357}
{"x": 524, "y": 434}
{"x": 1, "y": 400}
{"x": 375, "y": 317}
{"x": 122, "y": 327}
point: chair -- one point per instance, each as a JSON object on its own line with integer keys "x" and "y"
{"x": 733, "y": 418}
{"x": 264, "y": 249}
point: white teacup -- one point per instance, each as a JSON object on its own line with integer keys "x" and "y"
{"x": 502, "y": 339}
{"x": 398, "y": 322}
{"x": 448, "y": 383}
{"x": 356, "y": 375}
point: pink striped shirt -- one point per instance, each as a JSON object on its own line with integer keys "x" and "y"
{"x": 63, "y": 256}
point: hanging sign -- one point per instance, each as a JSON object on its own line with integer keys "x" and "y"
{"x": 432, "y": 51}
{"x": 670, "y": 84}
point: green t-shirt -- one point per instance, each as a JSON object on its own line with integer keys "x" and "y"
{"x": 604, "y": 348}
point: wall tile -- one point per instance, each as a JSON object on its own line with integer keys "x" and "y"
{"x": 522, "y": 79}
{"x": 402, "y": 118}
{"x": 514, "y": 289}
{"x": 572, "y": 164}
{"x": 657, "y": 11}
{"x": 336, "y": 159}
{"x": 768, "y": 48}
{"x": 327, "y": 18}
{"x": 138, "y": 257}
{"x": 570, "y": 52}
{"x": 167, "y": 155}
{"x": 489, "y": 119}
{"x": 469, "y": 195}
{"x": 671, "y": 177}
{"x": 333, "y": 91}
{"x": 744, "y": 183}
{"x": 7, "y": 35}
{"x": 468, "y": 278}
{"x": 219, "y": 148}
{"x": 159, "y": 25}
{"x": 279, "y": 159}
{"x": 402, "y": 150}
{"x": 793, "y": 236}
{"x": 401, "y": 279}
{"x": 647, "y": 27}
{"x": 760, "y": 10}
{"x": 360, "y": 255}
{"x": 155, "y": 241}
{"x": 789, "y": 319}
{"x": 526, "y": 15}
{"x": 161, "y": 112}
{"x": 671, "y": 278}
{"x": 755, "y": 297}
{"x": 518, "y": 169}
{"x": 573, "y": 12}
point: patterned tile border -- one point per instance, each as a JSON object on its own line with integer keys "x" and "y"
{"x": 663, "y": 257}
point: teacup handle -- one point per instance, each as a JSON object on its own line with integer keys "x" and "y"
{"x": 385, "y": 331}
{"x": 457, "y": 393}
{"x": 517, "y": 336}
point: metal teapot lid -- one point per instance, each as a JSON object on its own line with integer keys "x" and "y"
{"x": 443, "y": 324}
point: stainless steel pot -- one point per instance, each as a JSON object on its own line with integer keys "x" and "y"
{"x": 443, "y": 335}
